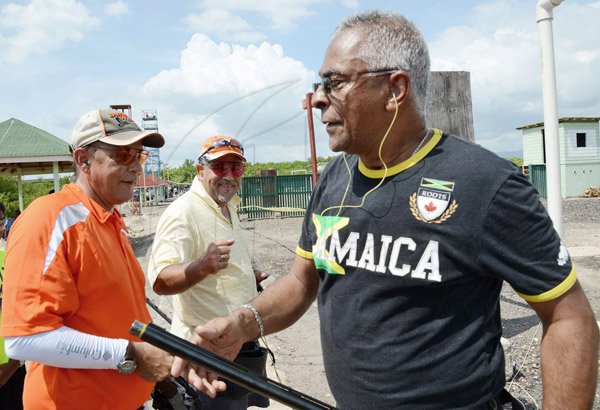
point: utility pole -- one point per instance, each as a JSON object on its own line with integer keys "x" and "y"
{"x": 544, "y": 17}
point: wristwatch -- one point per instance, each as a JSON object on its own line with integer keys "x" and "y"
{"x": 128, "y": 364}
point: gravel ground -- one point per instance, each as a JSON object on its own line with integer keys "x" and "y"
{"x": 297, "y": 349}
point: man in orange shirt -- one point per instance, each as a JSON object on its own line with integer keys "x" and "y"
{"x": 73, "y": 285}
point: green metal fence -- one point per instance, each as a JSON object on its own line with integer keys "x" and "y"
{"x": 537, "y": 176}
{"x": 270, "y": 196}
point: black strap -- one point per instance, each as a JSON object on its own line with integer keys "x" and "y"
{"x": 502, "y": 398}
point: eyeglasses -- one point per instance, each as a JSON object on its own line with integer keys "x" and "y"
{"x": 330, "y": 85}
{"x": 126, "y": 155}
{"x": 233, "y": 143}
{"x": 222, "y": 168}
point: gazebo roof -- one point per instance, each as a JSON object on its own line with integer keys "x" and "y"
{"x": 31, "y": 150}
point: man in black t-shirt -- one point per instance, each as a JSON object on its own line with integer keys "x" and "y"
{"x": 406, "y": 242}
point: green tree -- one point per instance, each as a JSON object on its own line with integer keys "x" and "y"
{"x": 32, "y": 189}
{"x": 282, "y": 168}
{"x": 187, "y": 171}
{"x": 517, "y": 161}
{"x": 9, "y": 195}
{"x": 184, "y": 173}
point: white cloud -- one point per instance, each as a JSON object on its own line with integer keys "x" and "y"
{"x": 282, "y": 13}
{"x": 586, "y": 56}
{"x": 116, "y": 9}
{"x": 502, "y": 61}
{"x": 41, "y": 26}
{"x": 501, "y": 49}
{"x": 577, "y": 58}
{"x": 224, "y": 25}
{"x": 257, "y": 87}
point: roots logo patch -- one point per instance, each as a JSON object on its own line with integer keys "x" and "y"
{"x": 433, "y": 203}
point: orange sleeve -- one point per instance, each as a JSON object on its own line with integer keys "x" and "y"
{"x": 39, "y": 286}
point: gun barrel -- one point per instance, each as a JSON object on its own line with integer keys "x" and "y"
{"x": 226, "y": 369}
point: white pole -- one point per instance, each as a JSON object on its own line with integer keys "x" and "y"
{"x": 544, "y": 20}
{"x": 20, "y": 189}
{"x": 56, "y": 176}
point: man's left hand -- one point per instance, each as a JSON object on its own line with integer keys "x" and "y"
{"x": 153, "y": 364}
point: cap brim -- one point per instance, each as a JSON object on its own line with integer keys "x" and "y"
{"x": 211, "y": 156}
{"x": 148, "y": 138}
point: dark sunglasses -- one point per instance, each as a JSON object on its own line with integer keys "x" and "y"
{"x": 329, "y": 85}
{"x": 126, "y": 155}
{"x": 223, "y": 143}
{"x": 222, "y": 168}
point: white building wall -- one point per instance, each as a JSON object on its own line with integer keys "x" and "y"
{"x": 577, "y": 178}
{"x": 561, "y": 146}
{"x": 579, "y": 166}
{"x": 582, "y": 164}
{"x": 587, "y": 153}
{"x": 533, "y": 147}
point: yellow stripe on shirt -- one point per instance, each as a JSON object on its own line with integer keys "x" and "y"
{"x": 554, "y": 293}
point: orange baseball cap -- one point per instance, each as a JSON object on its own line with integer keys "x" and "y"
{"x": 220, "y": 145}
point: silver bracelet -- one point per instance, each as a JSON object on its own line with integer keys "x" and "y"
{"x": 256, "y": 317}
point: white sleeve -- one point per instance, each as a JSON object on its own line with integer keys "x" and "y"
{"x": 68, "y": 348}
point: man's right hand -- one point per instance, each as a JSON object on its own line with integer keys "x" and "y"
{"x": 215, "y": 258}
{"x": 223, "y": 336}
{"x": 178, "y": 278}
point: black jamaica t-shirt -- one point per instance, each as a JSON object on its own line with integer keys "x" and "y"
{"x": 411, "y": 273}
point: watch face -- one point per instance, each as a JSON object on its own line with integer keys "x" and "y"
{"x": 127, "y": 366}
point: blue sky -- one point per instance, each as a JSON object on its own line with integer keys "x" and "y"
{"x": 186, "y": 59}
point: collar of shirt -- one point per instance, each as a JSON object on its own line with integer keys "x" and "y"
{"x": 95, "y": 208}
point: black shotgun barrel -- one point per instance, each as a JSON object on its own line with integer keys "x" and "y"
{"x": 159, "y": 337}
{"x": 157, "y": 310}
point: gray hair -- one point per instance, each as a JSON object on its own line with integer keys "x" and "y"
{"x": 392, "y": 41}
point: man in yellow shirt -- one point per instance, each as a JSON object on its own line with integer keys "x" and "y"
{"x": 200, "y": 255}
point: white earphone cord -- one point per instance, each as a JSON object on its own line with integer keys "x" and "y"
{"x": 385, "y": 169}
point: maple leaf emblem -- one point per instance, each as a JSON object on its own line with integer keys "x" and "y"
{"x": 430, "y": 207}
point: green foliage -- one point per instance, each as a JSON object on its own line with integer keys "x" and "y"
{"x": 283, "y": 168}
{"x": 9, "y": 192}
{"x": 184, "y": 173}
{"x": 187, "y": 171}
{"x": 516, "y": 161}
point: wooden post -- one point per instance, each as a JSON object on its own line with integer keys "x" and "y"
{"x": 448, "y": 106}
{"x": 311, "y": 134}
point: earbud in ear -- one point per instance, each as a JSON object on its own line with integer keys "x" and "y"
{"x": 394, "y": 100}
{"x": 86, "y": 162}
